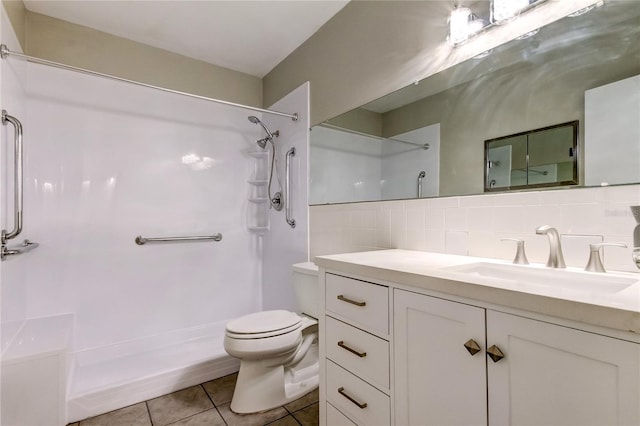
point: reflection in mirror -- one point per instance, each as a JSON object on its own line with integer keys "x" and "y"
{"x": 534, "y": 159}
{"x": 525, "y": 84}
{"x": 352, "y": 166}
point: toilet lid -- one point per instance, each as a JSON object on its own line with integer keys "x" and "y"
{"x": 263, "y": 322}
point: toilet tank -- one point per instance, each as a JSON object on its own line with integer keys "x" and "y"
{"x": 305, "y": 285}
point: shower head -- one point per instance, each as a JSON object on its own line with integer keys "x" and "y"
{"x": 263, "y": 142}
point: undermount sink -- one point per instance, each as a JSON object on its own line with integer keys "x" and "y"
{"x": 547, "y": 277}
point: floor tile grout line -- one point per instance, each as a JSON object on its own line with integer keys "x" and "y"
{"x": 214, "y": 404}
{"x": 148, "y": 412}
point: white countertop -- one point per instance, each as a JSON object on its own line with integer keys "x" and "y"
{"x": 437, "y": 272}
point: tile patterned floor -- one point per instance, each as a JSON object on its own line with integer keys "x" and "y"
{"x": 207, "y": 404}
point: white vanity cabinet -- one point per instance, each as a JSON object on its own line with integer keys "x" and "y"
{"x": 356, "y": 352}
{"x": 431, "y": 333}
{"x": 549, "y": 375}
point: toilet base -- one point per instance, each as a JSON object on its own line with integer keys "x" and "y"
{"x": 262, "y": 386}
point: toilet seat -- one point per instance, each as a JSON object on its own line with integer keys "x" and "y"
{"x": 262, "y": 325}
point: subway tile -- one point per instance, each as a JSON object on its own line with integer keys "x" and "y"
{"x": 536, "y": 216}
{"x": 618, "y": 258}
{"x": 442, "y": 203}
{"x": 569, "y": 196}
{"x": 618, "y": 219}
{"x": 509, "y": 218}
{"x": 455, "y": 219}
{"x": 415, "y": 218}
{"x": 575, "y": 248}
{"x": 483, "y": 244}
{"x": 581, "y": 219}
{"x": 434, "y": 219}
{"x": 480, "y": 219}
{"x": 363, "y": 218}
{"x": 456, "y": 242}
{"x": 483, "y": 200}
{"x": 397, "y": 228}
{"x": 434, "y": 241}
{"x": 516, "y": 199}
{"x": 627, "y": 194}
{"x": 393, "y": 205}
{"x": 364, "y": 237}
{"x": 416, "y": 239}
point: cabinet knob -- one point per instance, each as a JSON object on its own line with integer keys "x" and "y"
{"x": 495, "y": 353}
{"x": 472, "y": 347}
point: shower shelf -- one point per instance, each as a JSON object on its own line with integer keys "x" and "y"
{"x": 259, "y": 200}
{"x": 258, "y": 182}
{"x": 258, "y": 229}
{"x": 258, "y": 154}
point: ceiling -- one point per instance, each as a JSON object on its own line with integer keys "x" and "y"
{"x": 247, "y": 36}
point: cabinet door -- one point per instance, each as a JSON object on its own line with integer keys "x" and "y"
{"x": 437, "y": 381}
{"x": 554, "y": 375}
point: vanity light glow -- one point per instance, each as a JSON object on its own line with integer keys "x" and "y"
{"x": 504, "y": 10}
{"x": 459, "y": 28}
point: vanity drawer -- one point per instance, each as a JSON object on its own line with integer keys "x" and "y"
{"x": 362, "y": 353}
{"x": 336, "y": 418}
{"x": 365, "y": 303}
{"x": 356, "y": 398}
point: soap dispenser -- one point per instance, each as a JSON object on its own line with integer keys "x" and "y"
{"x": 635, "y": 210}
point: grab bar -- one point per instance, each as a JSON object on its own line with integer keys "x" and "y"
{"x": 17, "y": 178}
{"x": 287, "y": 196}
{"x": 140, "y": 240}
{"x": 22, "y": 248}
{"x": 421, "y": 176}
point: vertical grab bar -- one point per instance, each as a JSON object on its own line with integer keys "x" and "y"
{"x": 287, "y": 196}
{"x": 17, "y": 178}
{"x": 421, "y": 176}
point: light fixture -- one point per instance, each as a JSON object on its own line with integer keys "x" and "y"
{"x": 463, "y": 25}
{"x": 459, "y": 25}
{"x": 503, "y": 11}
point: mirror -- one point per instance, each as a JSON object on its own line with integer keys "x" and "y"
{"x": 525, "y": 84}
{"x": 534, "y": 159}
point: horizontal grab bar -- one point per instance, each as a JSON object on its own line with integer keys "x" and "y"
{"x": 140, "y": 240}
{"x": 22, "y": 248}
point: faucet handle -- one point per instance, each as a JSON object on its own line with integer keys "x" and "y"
{"x": 521, "y": 257}
{"x": 595, "y": 263}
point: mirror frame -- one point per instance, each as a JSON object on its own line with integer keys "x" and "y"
{"x": 574, "y": 124}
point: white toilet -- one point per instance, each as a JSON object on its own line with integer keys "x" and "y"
{"x": 278, "y": 350}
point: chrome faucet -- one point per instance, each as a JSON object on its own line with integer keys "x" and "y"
{"x": 556, "y": 260}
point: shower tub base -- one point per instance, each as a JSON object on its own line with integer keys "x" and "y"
{"x": 115, "y": 376}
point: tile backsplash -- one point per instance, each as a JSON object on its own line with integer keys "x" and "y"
{"x": 473, "y": 225}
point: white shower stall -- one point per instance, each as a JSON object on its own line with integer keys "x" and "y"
{"x": 105, "y": 162}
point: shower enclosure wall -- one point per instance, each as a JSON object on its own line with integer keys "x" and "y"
{"x": 106, "y": 162}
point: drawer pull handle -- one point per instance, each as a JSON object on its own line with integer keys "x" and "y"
{"x": 353, "y": 351}
{"x": 353, "y": 302}
{"x": 343, "y": 393}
